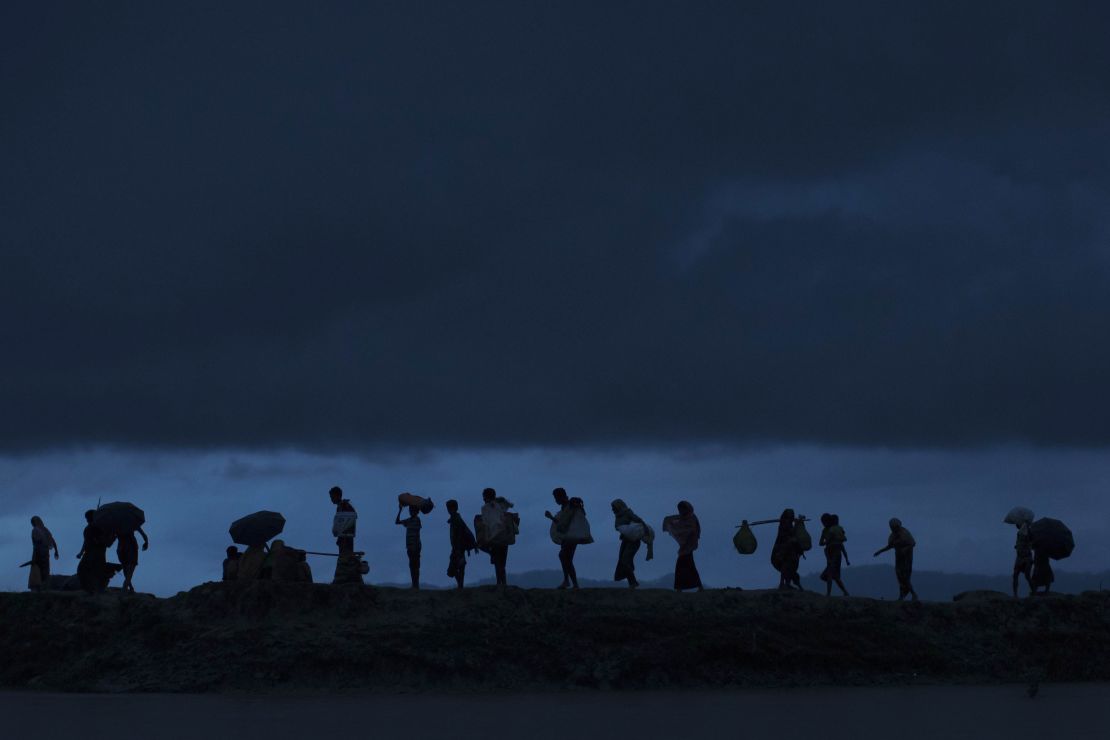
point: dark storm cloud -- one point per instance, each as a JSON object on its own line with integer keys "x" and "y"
{"x": 499, "y": 224}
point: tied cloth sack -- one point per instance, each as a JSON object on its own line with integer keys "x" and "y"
{"x": 744, "y": 540}
{"x": 639, "y": 532}
{"x": 571, "y": 526}
{"x": 801, "y": 534}
{"x": 343, "y": 525}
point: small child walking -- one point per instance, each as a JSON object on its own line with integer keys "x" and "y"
{"x": 412, "y": 540}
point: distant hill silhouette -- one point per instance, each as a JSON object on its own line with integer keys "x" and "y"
{"x": 878, "y": 582}
{"x": 870, "y": 581}
{"x": 552, "y": 578}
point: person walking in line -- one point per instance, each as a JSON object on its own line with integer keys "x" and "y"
{"x": 42, "y": 542}
{"x": 1023, "y": 560}
{"x": 1043, "y": 576}
{"x": 127, "y": 549}
{"x": 567, "y": 547}
{"x": 833, "y": 539}
{"x": 412, "y": 541}
{"x": 903, "y": 543}
{"x": 343, "y": 525}
{"x": 786, "y": 554}
{"x": 686, "y": 529}
{"x": 93, "y": 556}
{"x": 462, "y": 542}
{"x": 632, "y": 532}
{"x": 500, "y": 531}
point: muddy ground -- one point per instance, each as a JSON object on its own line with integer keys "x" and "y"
{"x": 308, "y": 637}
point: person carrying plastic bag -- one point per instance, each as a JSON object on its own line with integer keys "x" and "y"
{"x": 633, "y": 530}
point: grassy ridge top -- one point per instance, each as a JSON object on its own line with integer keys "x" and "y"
{"x": 268, "y": 636}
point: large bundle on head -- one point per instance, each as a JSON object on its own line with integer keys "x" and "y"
{"x": 1052, "y": 537}
{"x": 1019, "y": 515}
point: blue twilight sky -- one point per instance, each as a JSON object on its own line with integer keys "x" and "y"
{"x": 846, "y": 256}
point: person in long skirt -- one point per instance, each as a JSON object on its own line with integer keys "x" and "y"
{"x": 686, "y": 530}
{"x": 626, "y": 559}
{"x": 786, "y": 555}
{"x": 833, "y": 539}
{"x": 42, "y": 542}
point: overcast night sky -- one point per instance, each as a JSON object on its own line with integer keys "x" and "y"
{"x": 840, "y": 257}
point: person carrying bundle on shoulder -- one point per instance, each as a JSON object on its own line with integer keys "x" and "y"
{"x": 786, "y": 554}
{"x": 499, "y": 528}
{"x": 633, "y": 530}
{"x": 570, "y": 510}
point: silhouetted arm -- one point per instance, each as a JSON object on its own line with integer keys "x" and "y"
{"x": 146, "y": 540}
{"x": 844, "y": 550}
{"x": 880, "y": 552}
{"x": 399, "y": 509}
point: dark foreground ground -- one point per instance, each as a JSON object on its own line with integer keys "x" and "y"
{"x": 907, "y": 713}
{"x": 267, "y": 637}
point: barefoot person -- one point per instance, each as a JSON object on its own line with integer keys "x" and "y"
{"x": 686, "y": 530}
{"x": 42, "y": 542}
{"x": 127, "y": 550}
{"x": 567, "y": 547}
{"x": 903, "y": 543}
{"x": 833, "y": 539}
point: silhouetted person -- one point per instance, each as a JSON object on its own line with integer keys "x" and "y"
{"x": 626, "y": 558}
{"x": 127, "y": 550}
{"x": 902, "y": 542}
{"x": 833, "y": 539}
{"x": 93, "y": 567}
{"x": 231, "y": 564}
{"x": 1023, "y": 559}
{"x": 686, "y": 530}
{"x": 343, "y": 526}
{"x": 412, "y": 540}
{"x": 566, "y": 548}
{"x": 42, "y": 542}
{"x": 462, "y": 542}
{"x": 1042, "y": 572}
{"x": 786, "y": 554}
{"x": 500, "y": 532}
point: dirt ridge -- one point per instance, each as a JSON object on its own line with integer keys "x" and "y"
{"x": 304, "y": 637}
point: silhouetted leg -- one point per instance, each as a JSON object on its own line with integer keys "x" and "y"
{"x": 499, "y": 556}
{"x": 841, "y": 584}
{"x": 414, "y": 567}
{"x": 566, "y": 560}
